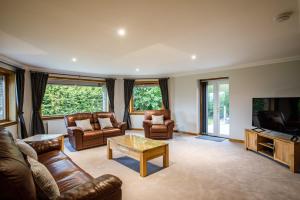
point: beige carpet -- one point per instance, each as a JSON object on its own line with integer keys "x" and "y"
{"x": 199, "y": 169}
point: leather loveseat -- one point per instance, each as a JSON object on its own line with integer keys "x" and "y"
{"x": 158, "y": 131}
{"x": 85, "y": 139}
{"x": 17, "y": 182}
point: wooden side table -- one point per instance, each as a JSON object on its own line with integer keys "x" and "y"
{"x": 44, "y": 137}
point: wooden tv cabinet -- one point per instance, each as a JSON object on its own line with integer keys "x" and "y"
{"x": 276, "y": 146}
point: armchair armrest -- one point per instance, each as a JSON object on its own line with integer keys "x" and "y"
{"x": 147, "y": 123}
{"x": 169, "y": 122}
{"x": 46, "y": 145}
{"x": 102, "y": 188}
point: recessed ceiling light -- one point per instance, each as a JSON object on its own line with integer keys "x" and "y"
{"x": 121, "y": 32}
{"x": 193, "y": 57}
{"x": 74, "y": 59}
{"x": 137, "y": 69}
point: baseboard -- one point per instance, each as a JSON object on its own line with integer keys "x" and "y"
{"x": 186, "y": 132}
{"x": 236, "y": 140}
{"x": 136, "y": 129}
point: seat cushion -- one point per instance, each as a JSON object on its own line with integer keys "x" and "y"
{"x": 111, "y": 132}
{"x": 92, "y": 134}
{"x": 62, "y": 168}
{"x": 51, "y": 156}
{"x": 159, "y": 128}
{"x": 74, "y": 179}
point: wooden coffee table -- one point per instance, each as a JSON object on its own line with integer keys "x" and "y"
{"x": 139, "y": 148}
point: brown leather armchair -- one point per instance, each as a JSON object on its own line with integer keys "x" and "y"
{"x": 158, "y": 131}
{"x": 80, "y": 139}
{"x": 17, "y": 182}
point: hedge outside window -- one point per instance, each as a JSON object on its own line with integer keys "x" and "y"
{"x": 68, "y": 97}
{"x": 146, "y": 96}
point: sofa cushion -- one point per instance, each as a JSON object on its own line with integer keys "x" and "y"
{"x": 43, "y": 179}
{"x": 61, "y": 168}
{"x": 51, "y": 156}
{"x": 15, "y": 175}
{"x": 92, "y": 134}
{"x": 72, "y": 180}
{"x": 111, "y": 132}
{"x": 26, "y": 149}
{"x": 85, "y": 124}
{"x": 159, "y": 128}
{"x": 105, "y": 123}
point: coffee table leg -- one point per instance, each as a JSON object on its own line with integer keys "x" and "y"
{"x": 143, "y": 165}
{"x": 109, "y": 151}
{"x": 166, "y": 157}
{"x": 62, "y": 140}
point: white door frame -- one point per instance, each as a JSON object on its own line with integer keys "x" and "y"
{"x": 216, "y": 107}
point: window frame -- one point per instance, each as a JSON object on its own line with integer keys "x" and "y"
{"x": 9, "y": 76}
{"x": 6, "y": 74}
{"x": 54, "y": 77}
{"x": 137, "y": 83}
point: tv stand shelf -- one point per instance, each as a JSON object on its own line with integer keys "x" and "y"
{"x": 276, "y": 146}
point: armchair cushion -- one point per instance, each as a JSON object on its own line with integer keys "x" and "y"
{"x": 157, "y": 128}
{"x": 157, "y": 119}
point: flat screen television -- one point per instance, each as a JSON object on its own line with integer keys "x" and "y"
{"x": 277, "y": 114}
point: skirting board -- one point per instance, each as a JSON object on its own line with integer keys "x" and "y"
{"x": 136, "y": 129}
{"x": 186, "y": 132}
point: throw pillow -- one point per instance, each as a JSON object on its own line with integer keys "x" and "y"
{"x": 43, "y": 179}
{"x": 157, "y": 119}
{"x": 105, "y": 123}
{"x": 26, "y": 149}
{"x": 85, "y": 124}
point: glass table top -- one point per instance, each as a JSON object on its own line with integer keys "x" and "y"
{"x": 137, "y": 143}
{"x": 42, "y": 137}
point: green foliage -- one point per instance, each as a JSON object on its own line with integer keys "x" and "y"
{"x": 147, "y": 98}
{"x": 68, "y": 99}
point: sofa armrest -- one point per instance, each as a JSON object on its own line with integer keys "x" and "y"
{"x": 74, "y": 131}
{"x": 106, "y": 187}
{"x": 46, "y": 146}
{"x": 169, "y": 122}
{"x": 121, "y": 125}
{"x": 147, "y": 123}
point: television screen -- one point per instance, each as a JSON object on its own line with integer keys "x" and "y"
{"x": 278, "y": 114}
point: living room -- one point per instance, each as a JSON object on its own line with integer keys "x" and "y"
{"x": 202, "y": 66}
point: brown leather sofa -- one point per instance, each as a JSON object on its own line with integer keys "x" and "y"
{"x": 155, "y": 131}
{"x": 85, "y": 139}
{"x": 16, "y": 181}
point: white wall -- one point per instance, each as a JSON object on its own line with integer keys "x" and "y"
{"x": 275, "y": 80}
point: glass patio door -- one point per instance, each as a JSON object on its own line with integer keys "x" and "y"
{"x": 217, "y": 123}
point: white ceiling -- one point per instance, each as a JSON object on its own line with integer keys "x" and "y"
{"x": 161, "y": 35}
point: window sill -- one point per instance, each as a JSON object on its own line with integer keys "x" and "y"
{"x": 52, "y": 117}
{"x": 7, "y": 123}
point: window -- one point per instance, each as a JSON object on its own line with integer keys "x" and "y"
{"x": 64, "y": 97}
{"x": 7, "y": 96}
{"x": 3, "y": 96}
{"x": 146, "y": 96}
